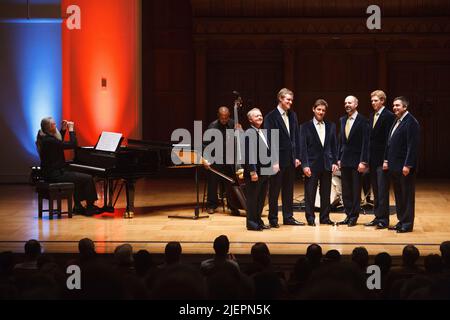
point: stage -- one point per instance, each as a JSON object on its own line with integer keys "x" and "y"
{"x": 151, "y": 228}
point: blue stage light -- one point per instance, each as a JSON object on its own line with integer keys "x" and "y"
{"x": 35, "y": 49}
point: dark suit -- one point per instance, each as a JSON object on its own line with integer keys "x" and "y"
{"x": 320, "y": 160}
{"x": 289, "y": 150}
{"x": 255, "y": 192}
{"x": 54, "y": 167}
{"x": 227, "y": 169}
{"x": 352, "y": 152}
{"x": 402, "y": 151}
{"x": 378, "y": 178}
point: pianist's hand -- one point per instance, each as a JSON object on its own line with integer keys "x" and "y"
{"x": 64, "y": 125}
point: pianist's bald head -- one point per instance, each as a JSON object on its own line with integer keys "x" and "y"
{"x": 223, "y": 114}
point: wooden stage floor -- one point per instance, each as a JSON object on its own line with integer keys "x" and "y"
{"x": 151, "y": 228}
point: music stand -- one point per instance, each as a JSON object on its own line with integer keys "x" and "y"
{"x": 191, "y": 159}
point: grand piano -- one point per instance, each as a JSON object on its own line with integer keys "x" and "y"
{"x": 137, "y": 160}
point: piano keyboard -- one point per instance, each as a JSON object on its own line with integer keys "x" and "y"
{"x": 87, "y": 167}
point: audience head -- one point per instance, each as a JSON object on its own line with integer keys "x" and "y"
{"x": 332, "y": 256}
{"x": 221, "y": 245}
{"x": 360, "y": 256}
{"x": 314, "y": 254}
{"x": 123, "y": 255}
{"x": 384, "y": 261}
{"x": 445, "y": 253}
{"x": 173, "y": 252}
{"x": 261, "y": 254}
{"x": 142, "y": 262}
{"x": 86, "y": 247}
{"x": 410, "y": 255}
{"x": 32, "y": 249}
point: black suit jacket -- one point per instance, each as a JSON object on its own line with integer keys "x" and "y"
{"x": 356, "y": 149}
{"x": 52, "y": 153}
{"x": 315, "y": 156}
{"x": 379, "y": 136}
{"x": 289, "y": 144}
{"x": 253, "y": 144}
{"x": 402, "y": 147}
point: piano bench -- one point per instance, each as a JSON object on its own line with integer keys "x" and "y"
{"x": 55, "y": 191}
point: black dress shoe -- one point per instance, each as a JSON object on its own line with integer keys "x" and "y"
{"x": 396, "y": 227}
{"x": 352, "y": 222}
{"x": 274, "y": 225}
{"x": 258, "y": 228}
{"x": 312, "y": 223}
{"x": 403, "y": 230}
{"x": 329, "y": 222}
{"x": 380, "y": 226}
{"x": 372, "y": 223}
{"x": 346, "y": 221}
{"x": 264, "y": 226}
{"x": 293, "y": 222}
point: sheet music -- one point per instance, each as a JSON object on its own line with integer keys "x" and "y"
{"x": 108, "y": 141}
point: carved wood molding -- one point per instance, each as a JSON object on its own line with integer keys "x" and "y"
{"x": 438, "y": 26}
{"x": 422, "y": 33}
{"x": 314, "y": 8}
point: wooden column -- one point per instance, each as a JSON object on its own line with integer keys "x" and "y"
{"x": 200, "y": 79}
{"x": 382, "y": 69}
{"x": 289, "y": 65}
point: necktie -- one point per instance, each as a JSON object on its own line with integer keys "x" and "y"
{"x": 286, "y": 121}
{"x": 348, "y": 127}
{"x": 321, "y": 127}
{"x": 375, "y": 119}
{"x": 395, "y": 127}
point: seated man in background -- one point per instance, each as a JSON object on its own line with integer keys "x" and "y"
{"x": 51, "y": 146}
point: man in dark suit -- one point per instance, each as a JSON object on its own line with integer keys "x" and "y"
{"x": 319, "y": 160}
{"x": 380, "y": 124}
{"x": 353, "y": 158}
{"x": 283, "y": 122}
{"x": 224, "y": 124}
{"x": 401, "y": 161}
{"x": 256, "y": 179}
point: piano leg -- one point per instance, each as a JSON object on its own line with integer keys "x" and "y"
{"x": 107, "y": 195}
{"x": 130, "y": 186}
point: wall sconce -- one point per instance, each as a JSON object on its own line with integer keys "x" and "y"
{"x": 104, "y": 83}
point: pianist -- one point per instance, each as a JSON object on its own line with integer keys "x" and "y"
{"x": 51, "y": 145}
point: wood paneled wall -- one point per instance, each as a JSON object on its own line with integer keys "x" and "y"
{"x": 197, "y": 52}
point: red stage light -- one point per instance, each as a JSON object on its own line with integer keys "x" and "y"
{"x": 105, "y": 48}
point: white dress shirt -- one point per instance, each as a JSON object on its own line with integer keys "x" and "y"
{"x": 320, "y": 130}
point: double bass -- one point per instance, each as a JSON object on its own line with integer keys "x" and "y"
{"x": 236, "y": 190}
